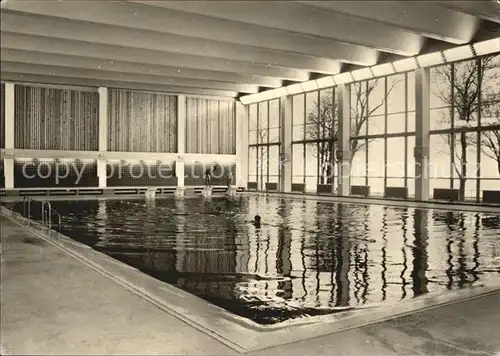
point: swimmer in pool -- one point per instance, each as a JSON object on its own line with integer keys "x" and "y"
{"x": 256, "y": 221}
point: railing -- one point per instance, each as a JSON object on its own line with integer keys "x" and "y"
{"x": 46, "y": 212}
{"x": 27, "y": 207}
{"x": 47, "y": 215}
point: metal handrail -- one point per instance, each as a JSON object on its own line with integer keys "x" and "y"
{"x": 27, "y": 207}
{"x": 47, "y": 211}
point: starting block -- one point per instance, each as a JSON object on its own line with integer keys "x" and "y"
{"x": 207, "y": 192}
{"x": 231, "y": 191}
{"x": 150, "y": 193}
{"x": 179, "y": 192}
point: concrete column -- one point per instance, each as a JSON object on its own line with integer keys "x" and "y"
{"x": 343, "y": 143}
{"x": 8, "y": 162}
{"x": 103, "y": 136}
{"x": 181, "y": 139}
{"x": 241, "y": 145}
{"x": 286, "y": 144}
{"x": 422, "y": 138}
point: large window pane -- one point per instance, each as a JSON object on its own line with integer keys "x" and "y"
{"x": 252, "y": 161}
{"x": 465, "y": 160}
{"x": 490, "y": 113}
{"x": 396, "y": 123}
{"x": 325, "y": 161}
{"x": 377, "y": 186}
{"x": 274, "y": 113}
{"x": 298, "y": 133}
{"x": 490, "y": 87}
{"x": 440, "y": 86}
{"x": 410, "y": 157}
{"x": 252, "y": 112}
{"x": 396, "y": 157}
{"x": 263, "y": 135}
{"x": 395, "y": 182}
{"x": 358, "y": 165}
{"x": 263, "y": 115}
{"x": 490, "y": 154}
{"x": 376, "y": 100}
{"x": 376, "y": 159}
{"x": 396, "y": 93}
{"x": 311, "y": 131}
{"x": 326, "y": 114}
{"x": 468, "y": 186}
{"x": 466, "y": 92}
{"x": 252, "y": 137}
{"x": 312, "y": 108}
{"x": 411, "y": 90}
{"x": 440, "y": 119}
{"x": 410, "y": 184}
{"x": 262, "y": 166}
{"x": 376, "y": 125}
{"x": 298, "y": 160}
{"x": 311, "y": 166}
{"x": 440, "y": 156}
{"x": 358, "y": 181}
{"x": 274, "y": 135}
{"x": 274, "y": 152}
{"x": 298, "y": 109}
{"x": 464, "y": 119}
{"x": 359, "y": 109}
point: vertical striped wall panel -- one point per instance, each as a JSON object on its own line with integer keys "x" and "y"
{"x": 141, "y": 122}
{"x": 210, "y": 126}
{"x": 56, "y": 119}
{"x": 55, "y": 173}
{"x": 2, "y": 119}
{"x": 2, "y": 175}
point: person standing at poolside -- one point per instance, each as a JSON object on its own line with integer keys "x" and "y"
{"x": 229, "y": 179}
{"x": 208, "y": 177}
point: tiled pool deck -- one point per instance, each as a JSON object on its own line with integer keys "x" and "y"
{"x": 60, "y": 297}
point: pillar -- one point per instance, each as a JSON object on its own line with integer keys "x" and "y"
{"x": 103, "y": 136}
{"x": 343, "y": 143}
{"x": 286, "y": 144}
{"x": 422, "y": 138}
{"x": 241, "y": 144}
{"x": 181, "y": 139}
{"x": 8, "y": 162}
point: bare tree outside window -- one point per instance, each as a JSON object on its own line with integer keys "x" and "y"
{"x": 323, "y": 126}
{"x": 468, "y": 79}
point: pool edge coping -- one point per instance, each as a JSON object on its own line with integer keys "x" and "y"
{"x": 263, "y": 336}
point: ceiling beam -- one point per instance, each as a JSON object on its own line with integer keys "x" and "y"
{"x": 487, "y": 10}
{"x": 40, "y": 58}
{"x": 295, "y": 17}
{"x": 149, "y": 18}
{"x": 154, "y": 41}
{"x": 421, "y": 17}
{"x": 126, "y": 77}
{"x": 113, "y": 52}
{"x": 95, "y": 83}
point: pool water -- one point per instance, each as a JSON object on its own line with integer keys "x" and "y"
{"x": 307, "y": 257}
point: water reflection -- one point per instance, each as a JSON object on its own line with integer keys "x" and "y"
{"x": 420, "y": 256}
{"x": 307, "y": 258}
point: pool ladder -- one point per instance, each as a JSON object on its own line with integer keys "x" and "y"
{"x": 46, "y": 213}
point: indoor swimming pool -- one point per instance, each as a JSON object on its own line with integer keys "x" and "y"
{"x": 306, "y": 258}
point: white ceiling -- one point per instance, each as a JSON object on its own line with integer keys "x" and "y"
{"x": 225, "y": 48}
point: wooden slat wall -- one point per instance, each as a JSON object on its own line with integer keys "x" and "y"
{"x": 141, "y": 122}
{"x": 2, "y": 119}
{"x": 210, "y": 126}
{"x": 56, "y": 119}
